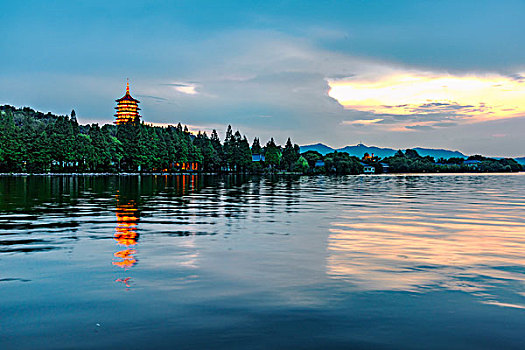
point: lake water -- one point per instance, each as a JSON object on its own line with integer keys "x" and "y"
{"x": 204, "y": 262}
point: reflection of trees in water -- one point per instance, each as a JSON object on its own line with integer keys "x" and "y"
{"x": 281, "y": 193}
{"x": 178, "y": 205}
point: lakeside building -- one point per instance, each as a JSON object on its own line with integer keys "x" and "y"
{"x": 368, "y": 157}
{"x": 258, "y": 158}
{"x": 368, "y": 169}
{"x": 127, "y": 109}
{"x": 319, "y": 163}
{"x": 472, "y": 163}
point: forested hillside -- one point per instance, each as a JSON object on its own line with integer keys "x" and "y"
{"x": 31, "y": 141}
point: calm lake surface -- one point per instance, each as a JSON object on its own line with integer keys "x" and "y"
{"x": 204, "y": 262}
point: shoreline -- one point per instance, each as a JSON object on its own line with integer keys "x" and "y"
{"x": 260, "y": 174}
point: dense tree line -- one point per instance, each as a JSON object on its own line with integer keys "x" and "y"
{"x": 404, "y": 162}
{"x": 36, "y": 142}
{"x": 32, "y": 141}
{"x": 411, "y": 161}
{"x": 332, "y": 163}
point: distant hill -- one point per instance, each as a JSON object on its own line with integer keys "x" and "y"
{"x": 319, "y": 147}
{"x": 520, "y": 160}
{"x": 439, "y": 153}
{"x": 360, "y": 149}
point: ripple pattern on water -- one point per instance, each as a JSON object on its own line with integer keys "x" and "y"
{"x": 367, "y": 257}
{"x": 462, "y": 233}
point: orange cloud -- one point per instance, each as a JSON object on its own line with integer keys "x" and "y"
{"x": 461, "y": 98}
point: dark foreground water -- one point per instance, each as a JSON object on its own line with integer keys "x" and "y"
{"x": 179, "y": 262}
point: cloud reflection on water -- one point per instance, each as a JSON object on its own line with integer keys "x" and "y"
{"x": 439, "y": 247}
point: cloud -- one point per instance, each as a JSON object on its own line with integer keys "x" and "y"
{"x": 419, "y": 127}
{"x": 463, "y": 98}
{"x": 362, "y": 121}
{"x": 444, "y": 124}
{"x": 266, "y": 73}
{"x": 238, "y": 76}
{"x": 185, "y": 88}
{"x": 517, "y": 77}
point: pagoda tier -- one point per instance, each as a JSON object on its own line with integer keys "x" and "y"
{"x": 127, "y": 109}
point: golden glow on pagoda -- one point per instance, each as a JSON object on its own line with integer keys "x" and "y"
{"x": 127, "y": 109}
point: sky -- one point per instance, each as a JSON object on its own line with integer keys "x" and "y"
{"x": 399, "y": 74}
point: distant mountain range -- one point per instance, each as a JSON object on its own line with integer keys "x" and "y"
{"x": 360, "y": 149}
{"x": 520, "y": 160}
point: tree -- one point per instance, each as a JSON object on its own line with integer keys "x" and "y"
{"x": 289, "y": 156}
{"x": 272, "y": 154}
{"x": 245, "y": 153}
{"x": 40, "y": 153}
{"x": 209, "y": 154}
{"x": 11, "y": 152}
{"x": 101, "y": 156}
{"x": 410, "y": 161}
{"x": 216, "y": 143}
{"x": 342, "y": 163}
{"x": 62, "y": 140}
{"x": 256, "y": 146}
{"x": 228, "y": 148}
{"x": 84, "y": 151}
{"x": 301, "y": 165}
{"x": 312, "y": 157}
{"x": 131, "y": 137}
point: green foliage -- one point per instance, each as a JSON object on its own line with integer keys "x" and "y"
{"x": 342, "y": 163}
{"x": 312, "y": 157}
{"x": 454, "y": 160}
{"x": 272, "y": 154}
{"x": 256, "y": 146}
{"x": 210, "y": 156}
{"x": 301, "y": 165}
{"x": 290, "y": 155}
{"x": 510, "y": 164}
{"x": 37, "y": 142}
{"x": 410, "y": 161}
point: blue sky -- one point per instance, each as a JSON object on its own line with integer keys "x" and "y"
{"x": 325, "y": 71}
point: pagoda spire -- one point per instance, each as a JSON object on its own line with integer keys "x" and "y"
{"x": 127, "y": 86}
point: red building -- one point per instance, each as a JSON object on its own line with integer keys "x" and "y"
{"x": 127, "y": 109}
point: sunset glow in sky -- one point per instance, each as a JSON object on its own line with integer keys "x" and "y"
{"x": 400, "y": 74}
{"x": 460, "y": 99}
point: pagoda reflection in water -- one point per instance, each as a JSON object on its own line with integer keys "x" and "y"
{"x": 126, "y": 234}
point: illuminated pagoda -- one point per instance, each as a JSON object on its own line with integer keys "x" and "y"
{"x": 127, "y": 109}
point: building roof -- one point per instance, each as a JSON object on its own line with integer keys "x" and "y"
{"x": 127, "y": 97}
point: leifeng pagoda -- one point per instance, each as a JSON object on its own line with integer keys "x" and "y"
{"x": 127, "y": 109}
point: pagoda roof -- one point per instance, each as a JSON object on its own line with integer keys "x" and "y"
{"x": 127, "y": 97}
